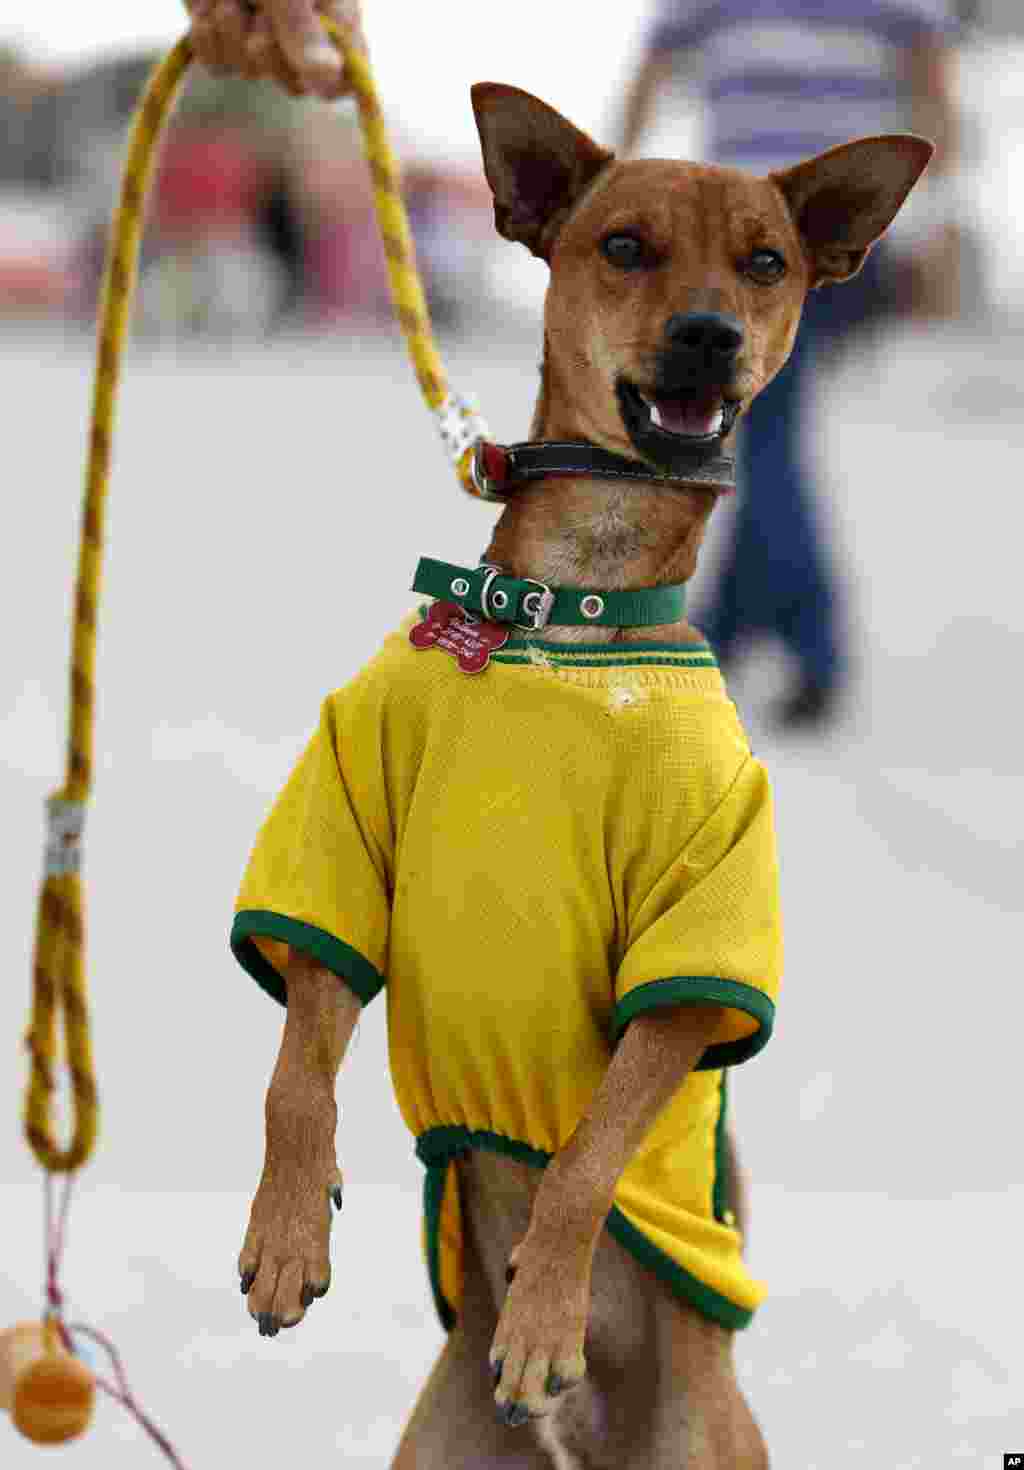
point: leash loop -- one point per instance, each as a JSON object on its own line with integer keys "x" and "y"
{"x": 58, "y": 975}
{"x": 59, "y": 965}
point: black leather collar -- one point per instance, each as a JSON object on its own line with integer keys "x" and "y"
{"x": 499, "y": 470}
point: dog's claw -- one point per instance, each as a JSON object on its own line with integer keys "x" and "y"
{"x": 555, "y": 1385}
{"x": 496, "y": 1371}
{"x": 311, "y": 1293}
{"x": 246, "y": 1282}
{"x": 510, "y": 1275}
{"x": 269, "y": 1325}
{"x": 336, "y": 1197}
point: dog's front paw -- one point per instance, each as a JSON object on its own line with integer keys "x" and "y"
{"x": 285, "y": 1261}
{"x": 537, "y": 1353}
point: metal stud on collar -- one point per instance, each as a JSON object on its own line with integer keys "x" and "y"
{"x": 537, "y": 605}
{"x": 485, "y": 591}
{"x": 592, "y": 606}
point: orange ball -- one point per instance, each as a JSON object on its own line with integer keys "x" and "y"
{"x": 49, "y": 1393}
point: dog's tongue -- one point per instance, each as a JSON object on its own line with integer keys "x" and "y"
{"x": 695, "y": 416}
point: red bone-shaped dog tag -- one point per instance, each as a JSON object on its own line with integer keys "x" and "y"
{"x": 470, "y": 643}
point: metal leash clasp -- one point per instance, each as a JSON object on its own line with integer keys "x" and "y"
{"x": 491, "y": 612}
{"x": 65, "y": 823}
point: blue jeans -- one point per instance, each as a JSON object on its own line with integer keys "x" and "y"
{"x": 777, "y": 575}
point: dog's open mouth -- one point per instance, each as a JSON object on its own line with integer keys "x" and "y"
{"x": 676, "y": 430}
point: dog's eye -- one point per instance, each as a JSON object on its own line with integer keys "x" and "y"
{"x": 626, "y": 252}
{"x": 764, "y": 266}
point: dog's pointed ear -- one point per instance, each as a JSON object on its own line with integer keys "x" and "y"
{"x": 536, "y": 163}
{"x": 843, "y": 200}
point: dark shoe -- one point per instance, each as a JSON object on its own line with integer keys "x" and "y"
{"x": 812, "y": 706}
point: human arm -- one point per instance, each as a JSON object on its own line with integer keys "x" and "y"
{"x": 933, "y": 229}
{"x": 647, "y": 82}
{"x": 670, "y": 46}
{"x": 282, "y": 40}
{"x": 931, "y": 73}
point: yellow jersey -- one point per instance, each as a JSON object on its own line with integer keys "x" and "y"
{"x": 527, "y": 858}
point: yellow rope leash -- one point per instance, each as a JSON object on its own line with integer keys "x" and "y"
{"x": 59, "y": 965}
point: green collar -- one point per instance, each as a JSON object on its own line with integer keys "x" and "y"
{"x": 490, "y": 593}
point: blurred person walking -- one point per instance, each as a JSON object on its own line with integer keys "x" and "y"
{"x": 781, "y": 80}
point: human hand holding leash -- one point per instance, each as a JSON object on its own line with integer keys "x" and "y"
{"x": 282, "y": 40}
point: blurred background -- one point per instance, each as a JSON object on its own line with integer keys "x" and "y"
{"x": 276, "y": 479}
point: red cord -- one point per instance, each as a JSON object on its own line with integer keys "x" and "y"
{"x": 56, "y": 1237}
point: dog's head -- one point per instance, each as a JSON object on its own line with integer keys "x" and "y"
{"x": 676, "y": 288}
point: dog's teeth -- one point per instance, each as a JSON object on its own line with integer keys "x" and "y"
{"x": 717, "y": 422}
{"x": 655, "y": 415}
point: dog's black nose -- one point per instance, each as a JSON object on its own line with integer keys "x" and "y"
{"x": 712, "y": 336}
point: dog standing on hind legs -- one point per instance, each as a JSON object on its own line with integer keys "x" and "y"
{"x": 564, "y": 865}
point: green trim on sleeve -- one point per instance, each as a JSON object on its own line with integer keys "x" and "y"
{"x": 362, "y": 978}
{"x": 439, "y": 1146}
{"x": 695, "y": 990}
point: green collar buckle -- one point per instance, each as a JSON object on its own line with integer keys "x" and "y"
{"x": 488, "y": 592}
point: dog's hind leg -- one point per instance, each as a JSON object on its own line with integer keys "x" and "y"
{"x": 454, "y": 1425}
{"x": 705, "y": 1423}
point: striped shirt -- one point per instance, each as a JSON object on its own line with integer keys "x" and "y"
{"x": 783, "y": 79}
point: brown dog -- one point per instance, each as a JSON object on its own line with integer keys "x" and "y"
{"x": 675, "y": 295}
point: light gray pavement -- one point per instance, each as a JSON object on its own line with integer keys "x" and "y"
{"x": 266, "y": 514}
